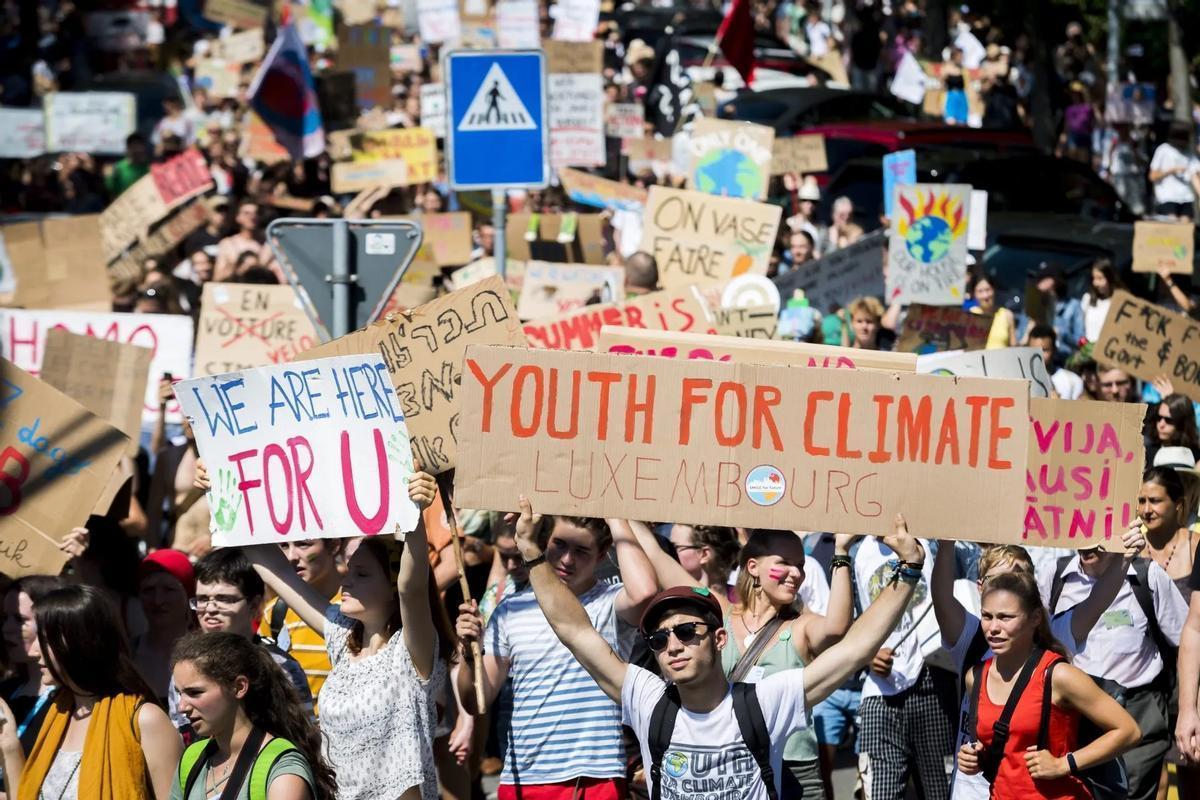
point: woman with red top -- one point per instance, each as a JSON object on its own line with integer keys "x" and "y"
{"x": 1035, "y": 763}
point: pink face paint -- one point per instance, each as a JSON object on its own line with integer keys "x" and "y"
{"x": 778, "y": 574}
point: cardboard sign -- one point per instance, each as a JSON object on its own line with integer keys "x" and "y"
{"x": 730, "y": 159}
{"x": 439, "y": 21}
{"x": 416, "y": 147}
{"x": 977, "y": 220}
{"x": 625, "y": 120}
{"x": 169, "y": 337}
{"x": 581, "y": 58}
{"x": 672, "y": 310}
{"x": 742, "y": 445}
{"x": 937, "y": 329}
{"x": 55, "y": 462}
{"x": 258, "y": 142}
{"x": 181, "y": 178}
{"x": 698, "y": 238}
{"x": 448, "y": 236}
{"x": 243, "y": 47}
{"x": 237, "y": 13}
{"x": 108, "y": 378}
{"x": 1084, "y": 474}
{"x": 927, "y": 248}
{"x": 221, "y": 79}
{"x": 169, "y": 185}
{"x": 899, "y": 169}
{"x": 161, "y": 241}
{"x": 423, "y": 351}
{"x": 89, "y": 122}
{"x": 549, "y": 290}
{"x": 22, "y": 132}
{"x": 1147, "y": 340}
{"x": 799, "y": 154}
{"x": 838, "y": 278}
{"x": 592, "y": 190}
{"x": 518, "y": 24}
{"x": 243, "y": 326}
{"x": 57, "y": 263}
{"x": 1021, "y": 363}
{"x": 747, "y": 322}
{"x": 648, "y": 155}
{"x": 355, "y": 176}
{"x": 366, "y": 50}
{"x": 576, "y": 114}
{"x": 575, "y": 20}
{"x": 704, "y": 347}
{"x": 1163, "y": 244}
{"x": 433, "y": 108}
{"x": 302, "y": 451}
{"x": 529, "y": 236}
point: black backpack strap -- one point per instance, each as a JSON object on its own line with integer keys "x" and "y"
{"x": 662, "y": 728}
{"x": 973, "y": 708}
{"x": 976, "y": 650}
{"x": 1139, "y": 582}
{"x": 753, "y": 726}
{"x": 278, "y": 615}
{"x": 1047, "y": 702}
{"x": 1056, "y": 586}
{"x": 994, "y": 754}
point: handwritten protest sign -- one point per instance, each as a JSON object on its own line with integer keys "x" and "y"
{"x": 416, "y": 147}
{"x": 302, "y": 451}
{"x": 448, "y": 236}
{"x": 625, "y": 120}
{"x": 55, "y": 462}
{"x": 1020, "y": 363}
{"x": 433, "y": 108}
{"x": 748, "y": 351}
{"x": 169, "y": 337}
{"x": 243, "y": 47}
{"x": 366, "y": 51}
{"x": 237, "y": 13}
{"x": 977, "y": 220}
{"x": 546, "y": 237}
{"x": 1147, "y": 340}
{"x": 181, "y": 178}
{"x": 164, "y": 238}
{"x": 1163, "y": 244}
{"x": 549, "y": 290}
{"x": 1085, "y": 470}
{"x": 936, "y": 329}
{"x": 57, "y": 263}
{"x": 576, "y": 113}
{"x": 423, "y": 352}
{"x": 108, "y": 378}
{"x": 742, "y": 445}
{"x": 219, "y": 78}
{"x": 730, "y": 159}
{"x": 899, "y": 169}
{"x": 799, "y": 154}
{"x": 439, "y": 20}
{"x": 89, "y": 122}
{"x": 22, "y": 132}
{"x": 592, "y": 190}
{"x": 699, "y": 238}
{"x": 672, "y": 310}
{"x": 354, "y": 176}
{"x": 514, "y": 273}
{"x": 927, "y": 250}
{"x": 848, "y": 272}
{"x": 518, "y": 23}
{"x": 648, "y": 155}
{"x": 168, "y": 186}
{"x": 748, "y": 322}
{"x": 575, "y": 20}
{"x": 250, "y": 325}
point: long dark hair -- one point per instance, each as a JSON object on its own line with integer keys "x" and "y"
{"x": 1024, "y": 587}
{"x": 35, "y": 587}
{"x": 378, "y": 549}
{"x": 271, "y": 703}
{"x": 79, "y": 626}
{"x": 1183, "y": 415}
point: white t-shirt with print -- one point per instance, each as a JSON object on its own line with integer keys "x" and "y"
{"x": 1175, "y": 188}
{"x": 872, "y": 575}
{"x": 707, "y": 758}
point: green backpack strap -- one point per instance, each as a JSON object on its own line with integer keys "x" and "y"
{"x": 189, "y": 765}
{"x": 261, "y": 770}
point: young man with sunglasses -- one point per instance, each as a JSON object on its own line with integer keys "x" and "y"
{"x": 704, "y": 752}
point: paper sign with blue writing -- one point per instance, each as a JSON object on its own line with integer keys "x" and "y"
{"x": 302, "y": 451}
{"x": 56, "y": 458}
{"x": 1014, "y": 363}
{"x": 899, "y": 169}
{"x": 927, "y": 248}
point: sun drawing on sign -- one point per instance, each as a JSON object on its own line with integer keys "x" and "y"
{"x": 930, "y": 226}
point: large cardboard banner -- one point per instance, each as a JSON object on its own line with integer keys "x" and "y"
{"x": 56, "y": 458}
{"x": 302, "y": 451}
{"x": 549, "y": 290}
{"x": 107, "y": 378}
{"x": 851, "y": 272}
{"x": 89, "y": 122}
{"x": 448, "y": 236}
{"x": 168, "y": 186}
{"x": 423, "y": 349}
{"x": 937, "y": 329}
{"x": 57, "y": 263}
{"x": 742, "y": 445}
{"x": 1147, "y": 340}
{"x": 676, "y": 310}
{"x": 927, "y": 251}
{"x": 169, "y": 337}
{"x": 730, "y": 159}
{"x": 1018, "y": 363}
{"x": 1164, "y": 244}
{"x": 699, "y": 238}
{"x": 704, "y": 347}
{"x": 1085, "y": 470}
{"x": 250, "y": 325}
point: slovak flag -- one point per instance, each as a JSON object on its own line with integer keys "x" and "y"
{"x": 284, "y": 95}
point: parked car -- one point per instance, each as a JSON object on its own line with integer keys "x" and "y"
{"x": 792, "y": 110}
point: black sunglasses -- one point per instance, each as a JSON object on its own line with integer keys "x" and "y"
{"x": 685, "y": 632}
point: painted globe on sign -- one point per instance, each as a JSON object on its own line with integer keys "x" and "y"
{"x": 928, "y": 239}
{"x": 728, "y": 172}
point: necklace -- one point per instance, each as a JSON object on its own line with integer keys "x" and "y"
{"x": 751, "y": 634}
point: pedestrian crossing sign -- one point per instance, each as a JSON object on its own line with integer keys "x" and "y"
{"x": 498, "y": 134}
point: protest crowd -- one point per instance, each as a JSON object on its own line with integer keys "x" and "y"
{"x": 820, "y": 420}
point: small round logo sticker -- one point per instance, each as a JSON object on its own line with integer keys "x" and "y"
{"x": 765, "y": 485}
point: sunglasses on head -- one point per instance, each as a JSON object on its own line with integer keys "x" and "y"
{"x": 685, "y": 632}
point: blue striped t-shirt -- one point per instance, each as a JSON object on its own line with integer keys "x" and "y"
{"x": 563, "y": 725}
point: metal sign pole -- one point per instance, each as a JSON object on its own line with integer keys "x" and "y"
{"x": 341, "y": 280}
{"x": 499, "y": 222}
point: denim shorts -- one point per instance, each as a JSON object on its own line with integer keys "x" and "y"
{"x": 835, "y": 716}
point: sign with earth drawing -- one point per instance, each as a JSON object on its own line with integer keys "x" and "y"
{"x": 730, "y": 159}
{"x": 927, "y": 246}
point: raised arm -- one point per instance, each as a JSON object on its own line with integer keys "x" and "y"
{"x": 638, "y": 580}
{"x": 412, "y": 581}
{"x": 830, "y": 669}
{"x": 667, "y": 570}
{"x": 825, "y": 631}
{"x": 1088, "y": 612}
{"x": 566, "y": 615}
{"x": 950, "y": 614}
{"x": 273, "y": 567}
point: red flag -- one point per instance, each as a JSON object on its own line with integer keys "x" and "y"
{"x": 736, "y": 39}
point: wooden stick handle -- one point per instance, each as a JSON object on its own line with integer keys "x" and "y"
{"x": 476, "y": 650}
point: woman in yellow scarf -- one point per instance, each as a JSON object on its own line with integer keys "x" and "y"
{"x": 104, "y": 738}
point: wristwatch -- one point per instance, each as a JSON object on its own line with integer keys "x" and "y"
{"x": 541, "y": 558}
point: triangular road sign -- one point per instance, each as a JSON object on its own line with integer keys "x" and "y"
{"x": 496, "y": 107}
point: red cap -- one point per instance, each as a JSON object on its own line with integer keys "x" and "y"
{"x": 173, "y": 562}
{"x": 696, "y": 598}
